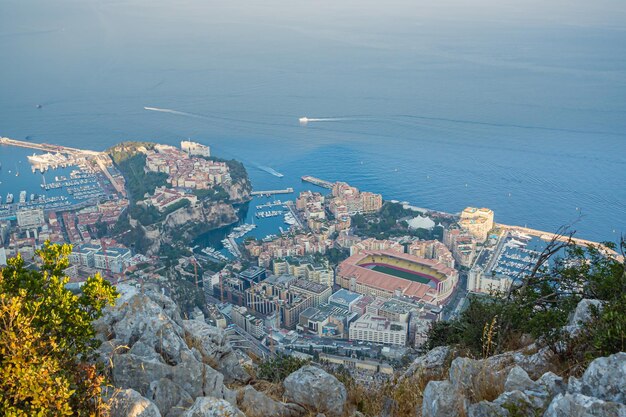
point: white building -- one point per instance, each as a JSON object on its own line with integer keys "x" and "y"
{"x": 84, "y": 255}
{"x": 193, "y": 148}
{"x": 477, "y": 281}
{"x": 248, "y": 322}
{"x": 30, "y": 217}
{"x": 113, "y": 260}
{"x": 3, "y": 256}
{"x": 375, "y": 329}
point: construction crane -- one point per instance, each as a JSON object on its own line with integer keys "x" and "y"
{"x": 195, "y": 269}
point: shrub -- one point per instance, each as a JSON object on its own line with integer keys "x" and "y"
{"x": 47, "y": 341}
{"x": 278, "y": 368}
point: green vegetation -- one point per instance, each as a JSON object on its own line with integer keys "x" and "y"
{"x": 279, "y": 367}
{"x": 47, "y": 341}
{"x": 217, "y": 193}
{"x": 388, "y": 223}
{"x": 139, "y": 182}
{"x": 131, "y": 163}
{"x": 147, "y": 215}
{"x": 540, "y": 304}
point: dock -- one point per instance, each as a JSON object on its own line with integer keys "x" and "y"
{"x": 45, "y": 147}
{"x": 317, "y": 181}
{"x": 288, "y": 190}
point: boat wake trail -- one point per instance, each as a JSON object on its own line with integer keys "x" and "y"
{"x": 170, "y": 111}
{"x": 306, "y": 120}
{"x": 270, "y": 171}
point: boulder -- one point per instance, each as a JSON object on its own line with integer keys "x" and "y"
{"x": 314, "y": 388}
{"x": 518, "y": 379}
{"x": 486, "y": 409}
{"x": 583, "y": 312}
{"x": 215, "y": 350}
{"x": 605, "y": 378}
{"x": 431, "y": 364}
{"x": 442, "y": 399}
{"x": 212, "y": 407}
{"x": 169, "y": 396}
{"x": 129, "y": 403}
{"x": 257, "y": 404}
{"x": 578, "y": 405}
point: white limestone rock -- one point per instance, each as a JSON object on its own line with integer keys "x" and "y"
{"x": 316, "y": 389}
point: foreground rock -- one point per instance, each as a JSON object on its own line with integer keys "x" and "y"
{"x": 257, "y": 404}
{"x": 145, "y": 344}
{"x": 129, "y": 403}
{"x": 600, "y": 392}
{"x": 316, "y": 389}
{"x": 212, "y": 407}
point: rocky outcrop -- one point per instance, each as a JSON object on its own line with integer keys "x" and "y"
{"x": 129, "y": 403}
{"x": 442, "y": 399}
{"x": 432, "y": 364}
{"x": 316, "y": 389}
{"x": 211, "y": 342}
{"x": 257, "y": 404}
{"x": 212, "y": 407}
{"x": 599, "y": 392}
{"x": 239, "y": 191}
{"x": 188, "y": 222}
{"x": 582, "y": 314}
{"x": 146, "y": 346}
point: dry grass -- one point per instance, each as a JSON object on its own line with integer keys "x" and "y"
{"x": 402, "y": 398}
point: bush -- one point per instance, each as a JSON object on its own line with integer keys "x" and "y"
{"x": 540, "y": 304}
{"x": 278, "y": 368}
{"x": 47, "y": 341}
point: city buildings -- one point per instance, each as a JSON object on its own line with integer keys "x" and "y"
{"x": 29, "y": 218}
{"x": 477, "y": 281}
{"x": 306, "y": 267}
{"x": 165, "y": 197}
{"x": 462, "y": 245}
{"x": 477, "y": 221}
{"x": 348, "y": 200}
{"x": 376, "y": 329}
{"x": 112, "y": 259}
{"x": 247, "y": 321}
{"x": 431, "y": 249}
{"x": 185, "y": 170}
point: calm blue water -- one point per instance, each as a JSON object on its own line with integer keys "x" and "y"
{"x": 520, "y": 107}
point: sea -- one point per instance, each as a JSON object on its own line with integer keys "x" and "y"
{"x": 519, "y": 105}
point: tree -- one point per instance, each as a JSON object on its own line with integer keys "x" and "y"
{"x": 47, "y": 340}
{"x": 540, "y": 302}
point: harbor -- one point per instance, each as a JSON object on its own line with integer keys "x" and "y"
{"x": 59, "y": 180}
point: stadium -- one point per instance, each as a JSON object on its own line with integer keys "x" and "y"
{"x": 385, "y": 273}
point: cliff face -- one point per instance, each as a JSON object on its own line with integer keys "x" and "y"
{"x": 239, "y": 191}
{"x": 189, "y": 222}
{"x": 163, "y": 365}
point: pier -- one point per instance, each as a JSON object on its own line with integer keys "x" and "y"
{"x": 45, "y": 147}
{"x": 317, "y": 181}
{"x": 288, "y": 190}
